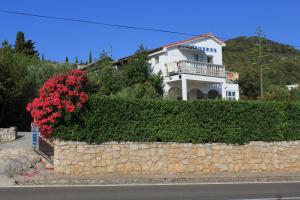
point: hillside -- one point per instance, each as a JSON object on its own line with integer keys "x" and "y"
{"x": 281, "y": 63}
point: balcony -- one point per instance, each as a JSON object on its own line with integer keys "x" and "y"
{"x": 201, "y": 68}
{"x": 193, "y": 67}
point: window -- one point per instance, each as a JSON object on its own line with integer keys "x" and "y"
{"x": 231, "y": 95}
{"x": 210, "y": 59}
{"x": 157, "y": 60}
{"x": 196, "y": 57}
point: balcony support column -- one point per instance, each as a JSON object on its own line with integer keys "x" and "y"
{"x": 184, "y": 89}
{"x": 223, "y": 85}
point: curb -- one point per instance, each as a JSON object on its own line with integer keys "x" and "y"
{"x": 149, "y": 180}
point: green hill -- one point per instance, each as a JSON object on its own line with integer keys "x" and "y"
{"x": 281, "y": 63}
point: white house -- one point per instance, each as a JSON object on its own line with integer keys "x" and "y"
{"x": 193, "y": 69}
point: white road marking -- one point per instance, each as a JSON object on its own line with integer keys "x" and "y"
{"x": 279, "y": 198}
{"x": 153, "y": 184}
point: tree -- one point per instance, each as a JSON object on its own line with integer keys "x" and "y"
{"x": 40, "y": 72}
{"x": 43, "y": 58}
{"x": 137, "y": 68}
{"x": 29, "y": 48}
{"x": 90, "y": 57}
{"x": 139, "y": 79}
{"x": 15, "y": 86}
{"x": 103, "y": 55}
{"x": 20, "y": 42}
{"x": 249, "y": 84}
{"x": 67, "y": 59}
{"x": 25, "y": 47}
{"x": 76, "y": 60}
{"x": 106, "y": 79}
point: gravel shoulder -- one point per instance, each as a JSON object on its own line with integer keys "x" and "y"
{"x": 16, "y": 157}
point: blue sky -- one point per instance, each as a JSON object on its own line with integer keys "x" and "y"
{"x": 280, "y": 20}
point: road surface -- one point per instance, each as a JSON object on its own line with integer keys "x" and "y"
{"x": 244, "y": 191}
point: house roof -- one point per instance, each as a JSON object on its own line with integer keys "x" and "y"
{"x": 195, "y": 38}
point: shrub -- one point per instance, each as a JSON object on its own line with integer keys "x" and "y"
{"x": 137, "y": 120}
{"x": 58, "y": 96}
{"x": 144, "y": 91}
{"x": 277, "y": 93}
{"x": 295, "y": 94}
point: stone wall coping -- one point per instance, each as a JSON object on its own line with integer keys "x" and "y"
{"x": 256, "y": 143}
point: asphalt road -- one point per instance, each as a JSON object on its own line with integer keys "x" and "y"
{"x": 262, "y": 191}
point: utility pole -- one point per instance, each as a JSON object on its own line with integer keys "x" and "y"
{"x": 261, "y": 70}
{"x": 260, "y": 36}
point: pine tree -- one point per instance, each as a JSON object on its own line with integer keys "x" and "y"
{"x": 90, "y": 57}
{"x": 43, "y": 58}
{"x": 20, "y": 42}
{"x": 76, "y": 60}
{"x": 67, "y": 60}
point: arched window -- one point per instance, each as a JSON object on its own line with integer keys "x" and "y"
{"x": 195, "y": 94}
{"x": 213, "y": 94}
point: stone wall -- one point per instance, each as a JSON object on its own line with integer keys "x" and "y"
{"x": 77, "y": 158}
{"x": 8, "y": 134}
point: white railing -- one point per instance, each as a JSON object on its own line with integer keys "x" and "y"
{"x": 193, "y": 67}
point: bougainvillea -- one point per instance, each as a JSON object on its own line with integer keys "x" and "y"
{"x": 58, "y": 96}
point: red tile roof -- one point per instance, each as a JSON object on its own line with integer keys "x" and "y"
{"x": 194, "y": 38}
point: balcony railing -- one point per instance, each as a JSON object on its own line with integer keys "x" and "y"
{"x": 193, "y": 67}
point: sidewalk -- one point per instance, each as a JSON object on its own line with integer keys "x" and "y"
{"x": 106, "y": 180}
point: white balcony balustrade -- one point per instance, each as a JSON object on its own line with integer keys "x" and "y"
{"x": 193, "y": 67}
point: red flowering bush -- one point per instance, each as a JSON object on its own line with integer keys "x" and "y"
{"x": 58, "y": 96}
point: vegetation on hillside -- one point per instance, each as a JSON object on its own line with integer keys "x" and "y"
{"x": 281, "y": 65}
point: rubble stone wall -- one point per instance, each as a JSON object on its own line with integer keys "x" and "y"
{"x": 78, "y": 158}
{"x": 8, "y": 134}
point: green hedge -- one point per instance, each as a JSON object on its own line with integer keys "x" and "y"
{"x": 113, "y": 119}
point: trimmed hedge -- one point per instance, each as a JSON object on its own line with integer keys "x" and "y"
{"x": 136, "y": 120}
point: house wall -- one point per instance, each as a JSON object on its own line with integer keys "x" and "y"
{"x": 232, "y": 87}
{"x": 173, "y": 54}
{"x": 209, "y": 43}
{"x": 79, "y": 158}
